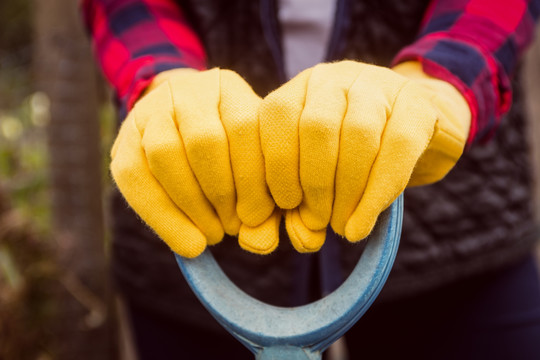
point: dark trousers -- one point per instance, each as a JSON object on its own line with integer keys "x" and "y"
{"x": 493, "y": 316}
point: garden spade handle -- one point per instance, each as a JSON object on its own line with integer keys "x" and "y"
{"x": 303, "y": 332}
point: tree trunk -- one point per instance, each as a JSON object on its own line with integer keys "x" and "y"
{"x": 65, "y": 71}
{"x": 531, "y": 77}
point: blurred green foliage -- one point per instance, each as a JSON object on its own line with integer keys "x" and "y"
{"x": 15, "y": 51}
{"x": 15, "y": 23}
{"x": 28, "y": 270}
{"x": 27, "y": 267}
{"x": 23, "y": 116}
{"x": 23, "y": 158}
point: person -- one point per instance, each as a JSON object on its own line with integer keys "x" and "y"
{"x": 392, "y": 94}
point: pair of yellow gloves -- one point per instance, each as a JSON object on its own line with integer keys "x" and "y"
{"x": 201, "y": 154}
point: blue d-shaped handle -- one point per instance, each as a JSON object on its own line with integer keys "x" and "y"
{"x": 302, "y": 332}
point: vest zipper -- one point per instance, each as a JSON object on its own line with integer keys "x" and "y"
{"x": 337, "y": 30}
{"x": 270, "y": 27}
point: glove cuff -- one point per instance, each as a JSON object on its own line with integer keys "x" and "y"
{"x": 452, "y": 128}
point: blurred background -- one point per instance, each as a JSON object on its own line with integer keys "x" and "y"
{"x": 56, "y": 128}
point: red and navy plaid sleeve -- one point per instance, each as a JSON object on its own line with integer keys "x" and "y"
{"x": 475, "y": 45}
{"x": 136, "y": 39}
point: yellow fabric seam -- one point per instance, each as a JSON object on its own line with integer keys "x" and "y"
{"x": 298, "y": 126}
{"x": 226, "y": 135}
{"x": 407, "y": 81}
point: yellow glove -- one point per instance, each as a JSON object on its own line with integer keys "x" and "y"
{"x": 341, "y": 141}
{"x": 188, "y": 160}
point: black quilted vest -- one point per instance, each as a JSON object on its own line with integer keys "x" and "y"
{"x": 478, "y": 219}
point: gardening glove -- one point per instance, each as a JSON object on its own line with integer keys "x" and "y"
{"x": 188, "y": 161}
{"x": 341, "y": 141}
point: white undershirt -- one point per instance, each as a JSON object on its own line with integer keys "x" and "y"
{"x": 306, "y": 26}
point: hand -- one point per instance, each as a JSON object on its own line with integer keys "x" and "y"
{"x": 341, "y": 141}
{"x": 188, "y": 160}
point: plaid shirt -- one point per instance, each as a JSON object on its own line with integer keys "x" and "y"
{"x": 136, "y": 39}
{"x": 473, "y": 44}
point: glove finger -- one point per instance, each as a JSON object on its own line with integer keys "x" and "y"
{"x": 359, "y": 144}
{"x": 145, "y": 195}
{"x": 239, "y": 108}
{"x": 319, "y": 132}
{"x": 279, "y": 116}
{"x": 302, "y": 238}
{"x": 407, "y": 134}
{"x": 168, "y": 163}
{"x": 262, "y": 239}
{"x": 206, "y": 144}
